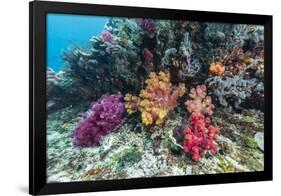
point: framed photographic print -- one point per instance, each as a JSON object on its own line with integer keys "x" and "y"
{"x": 127, "y": 97}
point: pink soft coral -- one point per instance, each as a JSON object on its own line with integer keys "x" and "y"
{"x": 200, "y": 102}
{"x": 199, "y": 137}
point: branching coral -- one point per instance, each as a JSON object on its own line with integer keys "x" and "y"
{"x": 200, "y": 102}
{"x": 193, "y": 64}
{"x": 157, "y": 99}
{"x": 104, "y": 117}
{"x": 199, "y": 137}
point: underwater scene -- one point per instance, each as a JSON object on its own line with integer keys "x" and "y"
{"x": 141, "y": 97}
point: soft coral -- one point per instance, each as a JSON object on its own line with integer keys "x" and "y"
{"x": 200, "y": 136}
{"x": 104, "y": 117}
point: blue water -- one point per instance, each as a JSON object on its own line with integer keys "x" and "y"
{"x": 65, "y": 30}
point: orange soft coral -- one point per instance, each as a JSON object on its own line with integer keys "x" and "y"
{"x": 216, "y": 69}
{"x": 157, "y": 99}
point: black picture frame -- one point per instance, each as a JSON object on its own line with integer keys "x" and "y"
{"x": 37, "y": 100}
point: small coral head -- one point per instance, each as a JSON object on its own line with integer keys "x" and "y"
{"x": 200, "y": 103}
{"x": 131, "y": 103}
{"x": 106, "y": 36}
{"x": 216, "y": 69}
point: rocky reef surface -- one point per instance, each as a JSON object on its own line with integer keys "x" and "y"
{"x": 134, "y": 151}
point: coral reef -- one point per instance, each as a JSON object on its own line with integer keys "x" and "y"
{"x": 104, "y": 117}
{"x": 141, "y": 123}
{"x": 157, "y": 99}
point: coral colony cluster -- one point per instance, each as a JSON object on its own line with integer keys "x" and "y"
{"x": 146, "y": 80}
{"x": 200, "y": 136}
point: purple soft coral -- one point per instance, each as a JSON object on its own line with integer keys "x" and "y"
{"x": 147, "y": 25}
{"x": 104, "y": 117}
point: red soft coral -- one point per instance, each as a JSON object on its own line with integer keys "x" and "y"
{"x": 200, "y": 136}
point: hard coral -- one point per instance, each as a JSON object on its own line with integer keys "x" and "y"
{"x": 104, "y": 117}
{"x": 199, "y": 137}
{"x": 216, "y": 69}
{"x": 200, "y": 103}
{"x": 157, "y": 99}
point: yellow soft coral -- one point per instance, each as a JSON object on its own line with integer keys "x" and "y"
{"x": 131, "y": 103}
{"x": 157, "y": 99}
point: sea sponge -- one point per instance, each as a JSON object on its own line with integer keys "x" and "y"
{"x": 157, "y": 99}
{"x": 200, "y": 103}
{"x": 216, "y": 69}
{"x": 104, "y": 117}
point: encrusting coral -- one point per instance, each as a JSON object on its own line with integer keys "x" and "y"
{"x": 200, "y": 136}
{"x": 157, "y": 99}
{"x": 104, "y": 117}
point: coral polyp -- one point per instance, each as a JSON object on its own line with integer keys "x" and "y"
{"x": 150, "y": 97}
